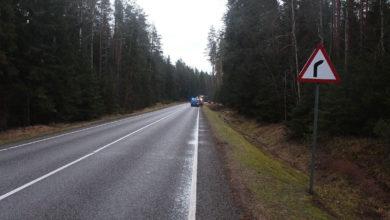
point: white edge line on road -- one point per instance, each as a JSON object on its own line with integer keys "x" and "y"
{"x": 73, "y": 132}
{"x": 78, "y": 160}
{"x": 192, "y": 208}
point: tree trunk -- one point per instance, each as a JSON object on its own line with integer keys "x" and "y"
{"x": 294, "y": 42}
{"x": 337, "y": 29}
{"x": 92, "y": 23}
{"x": 100, "y": 54}
{"x": 361, "y": 23}
{"x": 285, "y": 96}
{"x": 382, "y": 45}
{"x": 28, "y": 111}
{"x": 119, "y": 51}
{"x": 81, "y": 25}
{"x": 347, "y": 32}
{"x": 91, "y": 47}
{"x": 320, "y": 27}
{"x": 332, "y": 29}
{"x": 219, "y": 82}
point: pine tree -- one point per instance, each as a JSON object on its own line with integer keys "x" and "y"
{"x": 60, "y": 61}
{"x": 8, "y": 71}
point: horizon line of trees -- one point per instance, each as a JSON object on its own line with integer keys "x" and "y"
{"x": 72, "y": 60}
{"x": 265, "y": 43}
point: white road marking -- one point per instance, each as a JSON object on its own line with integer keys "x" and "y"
{"x": 192, "y": 208}
{"x": 78, "y": 160}
{"x": 73, "y": 132}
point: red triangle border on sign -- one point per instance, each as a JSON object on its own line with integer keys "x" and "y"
{"x": 319, "y": 47}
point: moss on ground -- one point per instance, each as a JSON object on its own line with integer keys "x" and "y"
{"x": 280, "y": 190}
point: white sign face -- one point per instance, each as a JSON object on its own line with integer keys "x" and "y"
{"x": 319, "y": 68}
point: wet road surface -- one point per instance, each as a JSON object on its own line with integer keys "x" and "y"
{"x": 157, "y": 165}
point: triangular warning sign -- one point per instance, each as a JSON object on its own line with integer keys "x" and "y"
{"x": 319, "y": 69}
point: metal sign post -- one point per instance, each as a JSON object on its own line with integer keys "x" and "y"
{"x": 313, "y": 153}
{"x": 314, "y": 71}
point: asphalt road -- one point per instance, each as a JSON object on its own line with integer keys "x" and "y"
{"x": 158, "y": 165}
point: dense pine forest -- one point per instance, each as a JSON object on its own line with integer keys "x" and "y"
{"x": 257, "y": 57}
{"x": 64, "y": 61}
{"x": 72, "y": 60}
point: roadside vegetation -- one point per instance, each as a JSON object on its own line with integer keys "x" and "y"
{"x": 256, "y": 59}
{"x": 19, "y": 134}
{"x": 265, "y": 44}
{"x": 66, "y": 61}
{"x": 265, "y": 187}
{"x": 270, "y": 172}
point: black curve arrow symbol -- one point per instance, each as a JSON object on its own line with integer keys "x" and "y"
{"x": 316, "y": 67}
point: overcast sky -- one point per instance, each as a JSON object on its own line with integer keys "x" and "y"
{"x": 184, "y": 26}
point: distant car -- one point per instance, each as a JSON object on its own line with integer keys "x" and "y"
{"x": 195, "y": 102}
{"x": 201, "y": 101}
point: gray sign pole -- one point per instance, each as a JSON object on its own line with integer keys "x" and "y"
{"x": 313, "y": 155}
{"x": 328, "y": 75}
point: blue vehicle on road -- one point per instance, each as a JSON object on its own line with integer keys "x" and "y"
{"x": 195, "y": 102}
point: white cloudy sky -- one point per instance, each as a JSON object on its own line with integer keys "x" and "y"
{"x": 184, "y": 26}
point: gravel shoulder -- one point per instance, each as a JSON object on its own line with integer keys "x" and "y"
{"x": 214, "y": 194}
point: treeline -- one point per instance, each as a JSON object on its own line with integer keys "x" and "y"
{"x": 69, "y": 60}
{"x": 266, "y": 43}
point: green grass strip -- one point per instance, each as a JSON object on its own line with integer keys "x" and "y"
{"x": 281, "y": 190}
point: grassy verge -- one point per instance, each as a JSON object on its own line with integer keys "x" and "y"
{"x": 266, "y": 187}
{"x": 19, "y": 134}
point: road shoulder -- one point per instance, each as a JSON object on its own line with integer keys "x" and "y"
{"x": 214, "y": 195}
{"x": 264, "y": 187}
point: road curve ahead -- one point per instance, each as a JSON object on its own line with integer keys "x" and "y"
{"x": 141, "y": 167}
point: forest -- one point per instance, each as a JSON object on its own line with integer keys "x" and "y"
{"x": 264, "y": 45}
{"x": 73, "y": 60}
